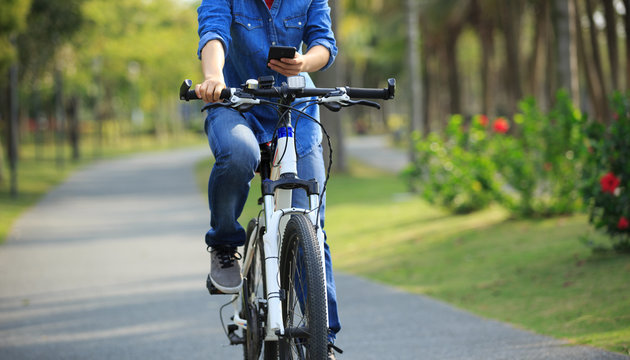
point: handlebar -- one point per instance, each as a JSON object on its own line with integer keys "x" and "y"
{"x": 186, "y": 94}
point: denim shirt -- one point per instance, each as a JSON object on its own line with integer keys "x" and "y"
{"x": 247, "y": 28}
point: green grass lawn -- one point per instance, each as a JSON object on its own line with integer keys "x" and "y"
{"x": 39, "y": 171}
{"x": 535, "y": 274}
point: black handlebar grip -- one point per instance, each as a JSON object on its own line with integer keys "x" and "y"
{"x": 385, "y": 94}
{"x": 367, "y": 93}
{"x": 226, "y": 94}
{"x": 191, "y": 95}
{"x": 185, "y": 93}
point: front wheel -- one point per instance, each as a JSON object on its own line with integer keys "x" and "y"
{"x": 254, "y": 308}
{"x": 304, "y": 305}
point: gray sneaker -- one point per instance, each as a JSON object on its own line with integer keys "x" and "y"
{"x": 225, "y": 270}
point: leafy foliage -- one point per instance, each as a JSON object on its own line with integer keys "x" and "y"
{"x": 49, "y": 24}
{"x": 540, "y": 163}
{"x": 532, "y": 167}
{"x": 607, "y": 174}
{"x": 449, "y": 171}
{"x": 12, "y": 20}
{"x": 120, "y": 59}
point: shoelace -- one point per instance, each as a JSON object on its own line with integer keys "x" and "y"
{"x": 227, "y": 257}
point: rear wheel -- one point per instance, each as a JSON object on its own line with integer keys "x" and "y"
{"x": 304, "y": 305}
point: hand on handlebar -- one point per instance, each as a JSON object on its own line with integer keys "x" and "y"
{"x": 210, "y": 89}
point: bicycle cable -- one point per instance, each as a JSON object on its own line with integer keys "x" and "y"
{"x": 281, "y": 114}
{"x": 330, "y": 154}
{"x": 221, "y": 316}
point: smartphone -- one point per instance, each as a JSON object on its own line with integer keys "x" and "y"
{"x": 279, "y": 52}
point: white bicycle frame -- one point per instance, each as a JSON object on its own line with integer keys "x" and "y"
{"x": 277, "y": 212}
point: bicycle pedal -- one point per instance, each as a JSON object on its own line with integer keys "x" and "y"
{"x": 234, "y": 339}
{"x": 212, "y": 289}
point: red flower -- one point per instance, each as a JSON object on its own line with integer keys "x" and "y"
{"x": 501, "y": 125}
{"x": 623, "y": 224}
{"x": 483, "y": 120}
{"x": 609, "y": 183}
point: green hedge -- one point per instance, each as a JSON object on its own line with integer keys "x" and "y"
{"x": 536, "y": 164}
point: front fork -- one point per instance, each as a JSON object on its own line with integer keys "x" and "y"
{"x": 272, "y": 240}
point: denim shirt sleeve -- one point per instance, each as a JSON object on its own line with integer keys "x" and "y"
{"x": 319, "y": 29}
{"x": 215, "y": 19}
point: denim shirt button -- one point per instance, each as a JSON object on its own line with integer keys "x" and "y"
{"x": 273, "y": 43}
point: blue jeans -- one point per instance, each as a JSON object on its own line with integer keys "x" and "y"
{"x": 237, "y": 155}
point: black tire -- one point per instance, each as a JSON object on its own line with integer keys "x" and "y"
{"x": 301, "y": 269}
{"x": 255, "y": 313}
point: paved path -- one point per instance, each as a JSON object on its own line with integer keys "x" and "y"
{"x": 374, "y": 150}
{"x": 111, "y": 265}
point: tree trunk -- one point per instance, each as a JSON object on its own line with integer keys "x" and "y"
{"x": 573, "y": 56}
{"x": 538, "y": 86}
{"x": 511, "y": 21}
{"x": 627, "y": 26}
{"x": 13, "y": 129}
{"x": 426, "y": 81}
{"x": 1, "y": 159}
{"x": 60, "y": 128}
{"x": 611, "y": 39}
{"x": 485, "y": 30}
{"x": 565, "y": 49}
{"x": 599, "y": 85}
{"x": 4, "y": 97}
{"x": 589, "y": 72}
{"x": 72, "y": 113}
{"x": 453, "y": 71}
{"x": 414, "y": 68}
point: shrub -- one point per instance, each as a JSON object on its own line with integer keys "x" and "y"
{"x": 531, "y": 166}
{"x": 540, "y": 166}
{"x": 607, "y": 174}
{"x": 450, "y": 171}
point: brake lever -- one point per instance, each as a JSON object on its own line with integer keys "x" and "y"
{"x": 241, "y": 101}
{"x": 332, "y": 106}
{"x": 366, "y": 103}
{"x": 337, "y": 99}
{"x": 336, "y": 106}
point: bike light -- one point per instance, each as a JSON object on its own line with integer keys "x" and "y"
{"x": 252, "y": 84}
{"x": 296, "y": 82}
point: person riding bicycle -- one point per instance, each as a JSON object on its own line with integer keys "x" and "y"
{"x": 235, "y": 36}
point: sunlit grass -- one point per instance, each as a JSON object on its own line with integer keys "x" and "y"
{"x": 535, "y": 274}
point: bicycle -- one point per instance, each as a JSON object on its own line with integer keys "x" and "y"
{"x": 283, "y": 309}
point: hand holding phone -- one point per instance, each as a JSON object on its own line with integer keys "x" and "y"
{"x": 285, "y": 60}
{"x": 280, "y": 52}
